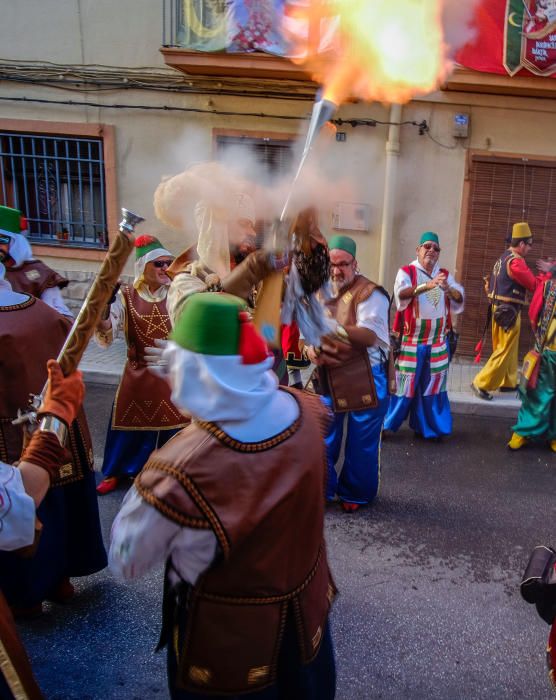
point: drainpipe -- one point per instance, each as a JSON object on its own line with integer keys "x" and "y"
{"x": 388, "y": 206}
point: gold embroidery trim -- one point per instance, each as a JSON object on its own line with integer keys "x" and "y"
{"x": 65, "y": 470}
{"x": 173, "y": 514}
{"x": 315, "y": 640}
{"x": 261, "y": 446}
{"x": 348, "y": 296}
{"x": 197, "y": 498}
{"x": 16, "y": 307}
{"x": 200, "y": 675}
{"x": 257, "y": 674}
{"x": 10, "y": 674}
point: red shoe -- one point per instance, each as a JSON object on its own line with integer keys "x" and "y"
{"x": 30, "y": 613}
{"x": 63, "y": 592}
{"x": 108, "y": 485}
{"x": 350, "y": 507}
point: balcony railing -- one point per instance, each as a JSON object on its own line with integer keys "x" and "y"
{"x": 221, "y": 38}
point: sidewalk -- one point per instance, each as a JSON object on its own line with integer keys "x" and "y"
{"x": 105, "y": 367}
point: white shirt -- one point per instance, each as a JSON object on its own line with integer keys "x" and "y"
{"x": 17, "y": 510}
{"x": 373, "y": 315}
{"x": 431, "y": 304}
{"x": 53, "y": 297}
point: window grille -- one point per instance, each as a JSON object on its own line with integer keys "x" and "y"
{"x": 274, "y": 155}
{"x": 58, "y": 183}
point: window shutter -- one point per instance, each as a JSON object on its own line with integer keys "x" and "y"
{"x": 502, "y": 192}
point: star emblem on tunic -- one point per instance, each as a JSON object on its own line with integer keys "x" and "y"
{"x": 157, "y": 323}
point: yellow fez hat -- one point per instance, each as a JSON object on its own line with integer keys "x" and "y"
{"x": 521, "y": 230}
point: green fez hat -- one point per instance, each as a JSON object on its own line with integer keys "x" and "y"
{"x": 343, "y": 243}
{"x": 521, "y": 230}
{"x": 213, "y": 323}
{"x": 10, "y": 220}
{"x": 429, "y": 236}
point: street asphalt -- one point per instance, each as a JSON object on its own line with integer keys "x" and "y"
{"x": 429, "y": 604}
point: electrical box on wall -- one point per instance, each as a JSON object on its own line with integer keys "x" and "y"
{"x": 461, "y": 126}
{"x": 351, "y": 216}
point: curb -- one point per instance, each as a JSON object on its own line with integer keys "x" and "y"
{"x": 464, "y": 404}
{"x": 461, "y": 403}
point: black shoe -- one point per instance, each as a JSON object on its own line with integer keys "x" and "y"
{"x": 508, "y": 389}
{"x": 481, "y": 393}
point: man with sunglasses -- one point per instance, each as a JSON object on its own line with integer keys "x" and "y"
{"x": 427, "y": 296}
{"x": 143, "y": 417}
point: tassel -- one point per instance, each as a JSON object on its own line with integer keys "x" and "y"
{"x": 478, "y": 350}
{"x": 145, "y": 239}
{"x": 252, "y": 347}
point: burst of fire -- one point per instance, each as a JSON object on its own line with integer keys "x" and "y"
{"x": 384, "y": 50}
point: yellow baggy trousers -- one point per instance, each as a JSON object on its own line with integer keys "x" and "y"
{"x": 501, "y": 367}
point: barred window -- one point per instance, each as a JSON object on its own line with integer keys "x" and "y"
{"x": 58, "y": 183}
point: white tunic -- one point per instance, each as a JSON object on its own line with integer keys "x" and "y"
{"x": 17, "y": 510}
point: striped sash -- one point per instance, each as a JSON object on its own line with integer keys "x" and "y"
{"x": 406, "y": 368}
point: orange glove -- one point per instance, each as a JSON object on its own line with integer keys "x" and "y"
{"x": 64, "y": 395}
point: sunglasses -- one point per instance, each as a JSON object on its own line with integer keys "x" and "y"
{"x": 162, "y": 263}
{"x": 431, "y": 246}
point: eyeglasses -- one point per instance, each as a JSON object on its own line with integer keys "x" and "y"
{"x": 162, "y": 263}
{"x": 431, "y": 246}
{"x": 342, "y": 264}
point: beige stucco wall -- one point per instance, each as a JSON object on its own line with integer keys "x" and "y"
{"x": 154, "y": 144}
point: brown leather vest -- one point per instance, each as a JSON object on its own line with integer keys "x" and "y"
{"x": 264, "y": 502}
{"x": 23, "y": 372}
{"x": 34, "y": 277}
{"x": 143, "y": 399}
{"x": 344, "y": 309}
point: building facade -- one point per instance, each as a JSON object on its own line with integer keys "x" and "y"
{"x": 96, "y": 111}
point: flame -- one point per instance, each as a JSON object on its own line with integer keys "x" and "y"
{"x": 384, "y": 50}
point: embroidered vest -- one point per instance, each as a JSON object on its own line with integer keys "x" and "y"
{"x": 264, "y": 501}
{"x": 143, "y": 400}
{"x": 501, "y": 287}
{"x": 34, "y": 277}
{"x": 23, "y": 372}
{"x": 344, "y": 309}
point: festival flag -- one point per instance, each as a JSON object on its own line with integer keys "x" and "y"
{"x": 513, "y": 37}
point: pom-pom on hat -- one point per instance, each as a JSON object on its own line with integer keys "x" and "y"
{"x": 429, "y": 236}
{"x": 218, "y": 324}
{"x": 521, "y": 230}
{"x": 10, "y": 220}
{"x": 145, "y": 244}
{"x": 344, "y": 243}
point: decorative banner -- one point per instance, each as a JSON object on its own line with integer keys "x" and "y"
{"x": 515, "y": 37}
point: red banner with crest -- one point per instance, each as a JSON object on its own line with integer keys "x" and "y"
{"x": 513, "y": 37}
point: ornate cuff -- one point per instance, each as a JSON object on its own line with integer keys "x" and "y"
{"x": 56, "y": 426}
{"x": 419, "y": 289}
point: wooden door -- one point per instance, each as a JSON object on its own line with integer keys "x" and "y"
{"x": 501, "y": 192}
